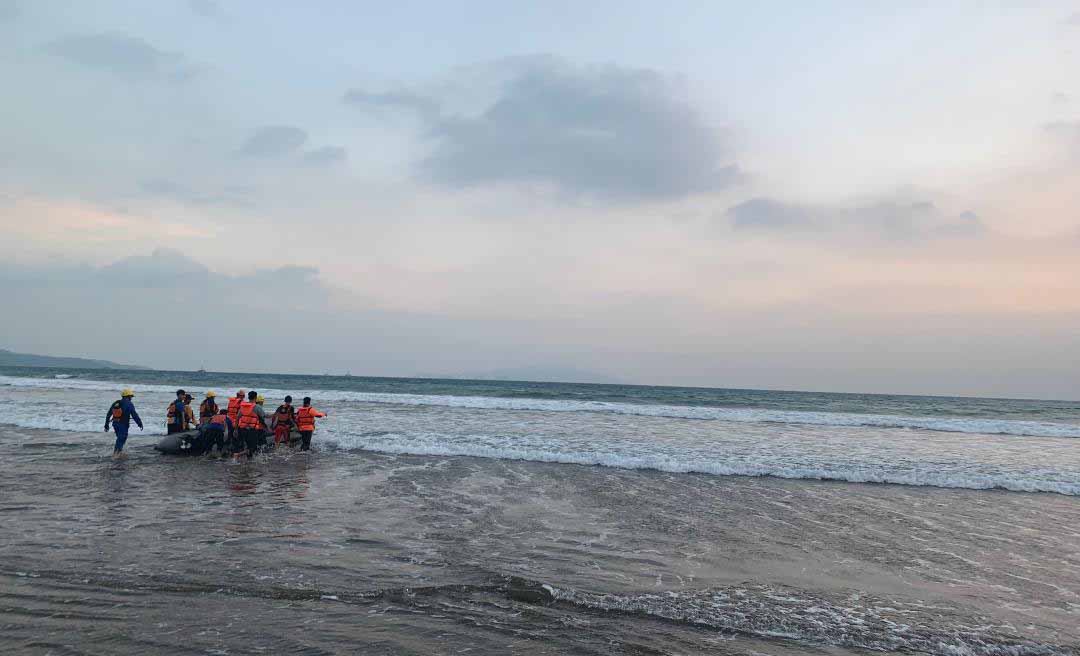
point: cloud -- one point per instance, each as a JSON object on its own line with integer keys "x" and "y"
{"x": 230, "y": 196}
{"x": 606, "y": 132}
{"x": 205, "y": 8}
{"x": 163, "y": 268}
{"x": 884, "y": 220}
{"x": 123, "y": 55}
{"x": 9, "y": 11}
{"x": 424, "y": 106}
{"x": 274, "y": 141}
{"x": 325, "y": 156}
{"x": 770, "y": 214}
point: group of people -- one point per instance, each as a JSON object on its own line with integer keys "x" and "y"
{"x": 240, "y": 428}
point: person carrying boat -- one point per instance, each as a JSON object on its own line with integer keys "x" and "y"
{"x": 208, "y": 408}
{"x": 283, "y": 421}
{"x": 189, "y": 413}
{"x": 305, "y": 422}
{"x": 234, "y": 410}
{"x": 214, "y": 431}
{"x": 175, "y": 417}
{"x": 262, "y": 443}
{"x": 250, "y": 427}
{"x": 120, "y": 415}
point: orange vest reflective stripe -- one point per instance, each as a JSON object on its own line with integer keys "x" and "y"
{"x": 248, "y": 418}
{"x": 305, "y": 418}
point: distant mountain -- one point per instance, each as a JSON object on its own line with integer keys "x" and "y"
{"x": 12, "y": 359}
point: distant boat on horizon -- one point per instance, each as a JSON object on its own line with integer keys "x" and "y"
{"x": 201, "y": 370}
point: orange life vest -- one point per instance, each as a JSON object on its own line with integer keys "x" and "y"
{"x": 217, "y": 422}
{"x": 117, "y": 411}
{"x": 234, "y": 407}
{"x": 284, "y": 415}
{"x": 171, "y": 412}
{"x": 248, "y": 418}
{"x": 305, "y": 417}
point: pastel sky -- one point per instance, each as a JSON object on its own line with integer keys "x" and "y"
{"x": 817, "y": 195}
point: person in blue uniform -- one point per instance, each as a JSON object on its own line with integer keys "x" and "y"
{"x": 120, "y": 415}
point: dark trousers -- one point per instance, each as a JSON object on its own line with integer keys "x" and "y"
{"x": 212, "y": 438}
{"x": 305, "y": 440}
{"x": 121, "y": 431}
{"x": 238, "y": 441}
{"x": 253, "y": 438}
{"x": 175, "y": 428}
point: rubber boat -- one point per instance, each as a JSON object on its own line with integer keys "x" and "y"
{"x": 187, "y": 443}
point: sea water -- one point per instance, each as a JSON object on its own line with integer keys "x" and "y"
{"x": 653, "y": 520}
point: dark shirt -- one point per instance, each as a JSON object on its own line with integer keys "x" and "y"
{"x": 178, "y": 418}
{"x": 129, "y": 413}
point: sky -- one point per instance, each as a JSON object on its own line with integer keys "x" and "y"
{"x": 834, "y": 196}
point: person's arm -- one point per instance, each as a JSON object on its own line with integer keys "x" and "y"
{"x": 108, "y": 418}
{"x": 134, "y": 415}
{"x": 317, "y": 413}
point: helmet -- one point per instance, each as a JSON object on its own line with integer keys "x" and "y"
{"x": 127, "y": 392}
{"x": 259, "y": 399}
{"x": 211, "y": 395}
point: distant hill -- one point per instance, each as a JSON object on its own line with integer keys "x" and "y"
{"x": 12, "y": 359}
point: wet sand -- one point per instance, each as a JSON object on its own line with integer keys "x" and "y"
{"x": 351, "y": 551}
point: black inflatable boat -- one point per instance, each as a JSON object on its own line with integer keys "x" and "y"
{"x": 189, "y": 443}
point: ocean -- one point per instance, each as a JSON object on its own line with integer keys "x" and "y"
{"x": 643, "y": 520}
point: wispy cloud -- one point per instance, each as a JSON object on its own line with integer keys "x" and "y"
{"x": 123, "y": 55}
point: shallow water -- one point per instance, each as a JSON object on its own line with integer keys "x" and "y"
{"x": 922, "y": 441}
{"x": 343, "y": 550}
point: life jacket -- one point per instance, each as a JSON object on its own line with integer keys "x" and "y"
{"x": 207, "y": 408}
{"x": 305, "y": 418}
{"x": 248, "y": 418}
{"x": 284, "y": 414}
{"x": 117, "y": 411}
{"x": 234, "y": 407}
{"x": 217, "y": 422}
{"x": 171, "y": 413}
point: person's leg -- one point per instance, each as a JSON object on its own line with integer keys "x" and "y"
{"x": 239, "y": 446}
{"x": 121, "y": 431}
{"x": 305, "y": 443}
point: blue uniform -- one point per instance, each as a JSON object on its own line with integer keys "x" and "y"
{"x": 120, "y": 426}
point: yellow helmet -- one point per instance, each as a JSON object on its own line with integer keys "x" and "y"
{"x": 259, "y": 399}
{"x": 127, "y": 391}
{"x": 211, "y": 395}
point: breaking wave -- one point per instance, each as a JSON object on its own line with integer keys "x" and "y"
{"x": 972, "y": 425}
{"x": 684, "y": 461}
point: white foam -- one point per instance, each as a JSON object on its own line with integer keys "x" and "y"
{"x": 737, "y": 415}
{"x": 681, "y": 460}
